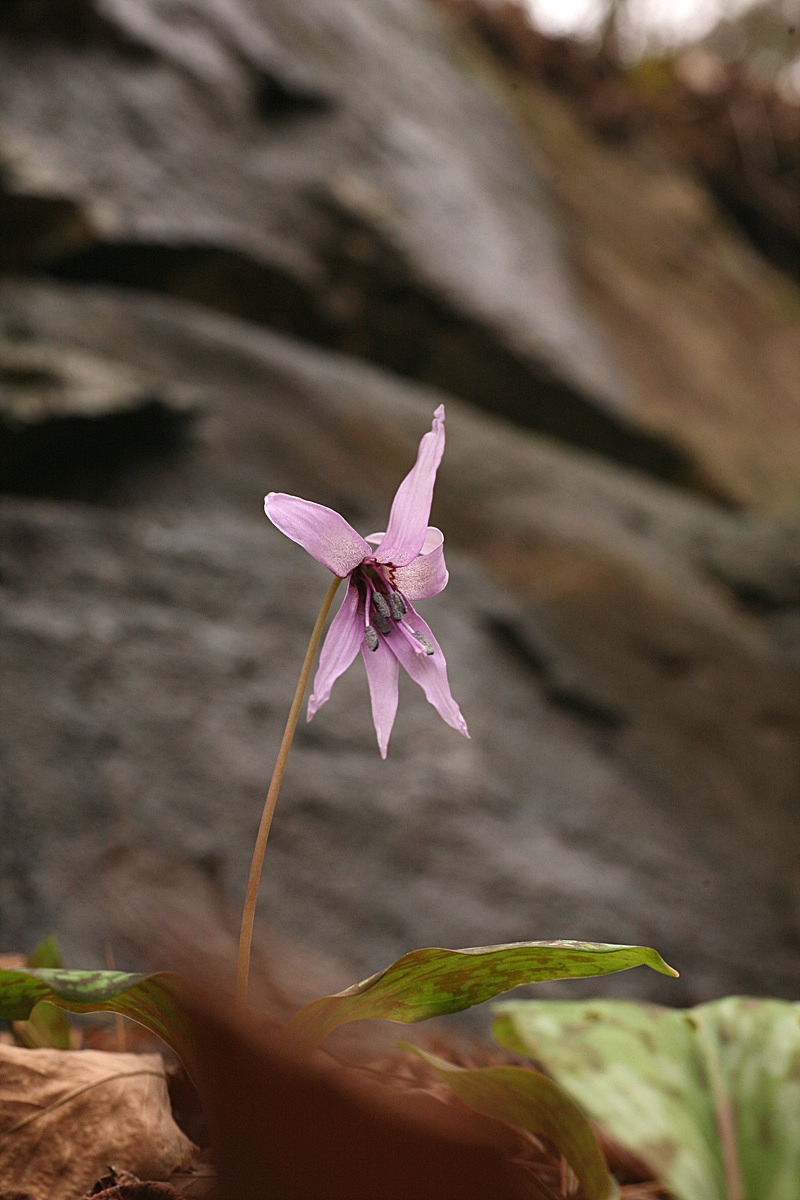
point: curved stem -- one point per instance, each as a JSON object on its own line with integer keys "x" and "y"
{"x": 251, "y": 895}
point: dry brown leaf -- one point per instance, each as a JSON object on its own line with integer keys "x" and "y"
{"x": 65, "y": 1115}
{"x": 122, "y": 1185}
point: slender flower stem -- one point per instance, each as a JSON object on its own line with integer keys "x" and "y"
{"x": 251, "y": 896}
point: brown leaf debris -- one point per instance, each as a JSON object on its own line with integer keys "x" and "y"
{"x": 65, "y": 1115}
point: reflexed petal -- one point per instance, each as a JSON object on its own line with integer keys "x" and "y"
{"x": 433, "y": 537}
{"x": 411, "y": 508}
{"x": 430, "y": 672}
{"x": 341, "y": 645}
{"x": 426, "y": 575}
{"x": 322, "y": 532}
{"x": 382, "y": 673}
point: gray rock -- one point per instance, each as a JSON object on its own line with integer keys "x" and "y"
{"x": 326, "y": 167}
{"x": 70, "y": 420}
{"x": 633, "y": 767}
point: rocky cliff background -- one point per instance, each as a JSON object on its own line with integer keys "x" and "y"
{"x": 249, "y": 246}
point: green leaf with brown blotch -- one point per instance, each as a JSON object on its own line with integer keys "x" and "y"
{"x": 532, "y": 1101}
{"x": 47, "y": 1025}
{"x": 433, "y": 982}
{"x": 155, "y": 1001}
{"x": 708, "y": 1097}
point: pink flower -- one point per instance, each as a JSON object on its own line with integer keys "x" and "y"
{"x": 377, "y": 616}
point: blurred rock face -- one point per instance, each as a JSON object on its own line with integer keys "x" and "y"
{"x": 326, "y": 168}
{"x": 624, "y": 650}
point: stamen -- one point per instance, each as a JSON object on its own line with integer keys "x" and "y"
{"x": 371, "y": 638}
{"x": 414, "y": 639}
{"x": 367, "y": 600}
{"x": 424, "y": 642}
{"x": 397, "y": 605}
{"x": 379, "y": 600}
{"x": 380, "y": 622}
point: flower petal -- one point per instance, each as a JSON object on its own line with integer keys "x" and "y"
{"x": 429, "y": 671}
{"x": 411, "y": 508}
{"x": 344, "y": 637}
{"x": 322, "y": 532}
{"x": 382, "y": 672}
{"x": 427, "y": 574}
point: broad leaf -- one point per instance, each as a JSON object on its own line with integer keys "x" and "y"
{"x": 534, "y": 1102}
{"x": 708, "y": 1097}
{"x": 155, "y": 1001}
{"x": 433, "y": 982}
{"x": 47, "y": 1025}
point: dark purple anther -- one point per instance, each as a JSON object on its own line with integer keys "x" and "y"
{"x": 397, "y": 605}
{"x": 371, "y": 638}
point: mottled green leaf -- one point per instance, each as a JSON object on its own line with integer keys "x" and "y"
{"x": 534, "y": 1102}
{"x": 758, "y": 1044}
{"x": 432, "y": 982}
{"x": 708, "y": 1097}
{"x": 47, "y": 1025}
{"x": 155, "y": 1001}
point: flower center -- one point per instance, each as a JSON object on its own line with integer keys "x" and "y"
{"x": 385, "y": 607}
